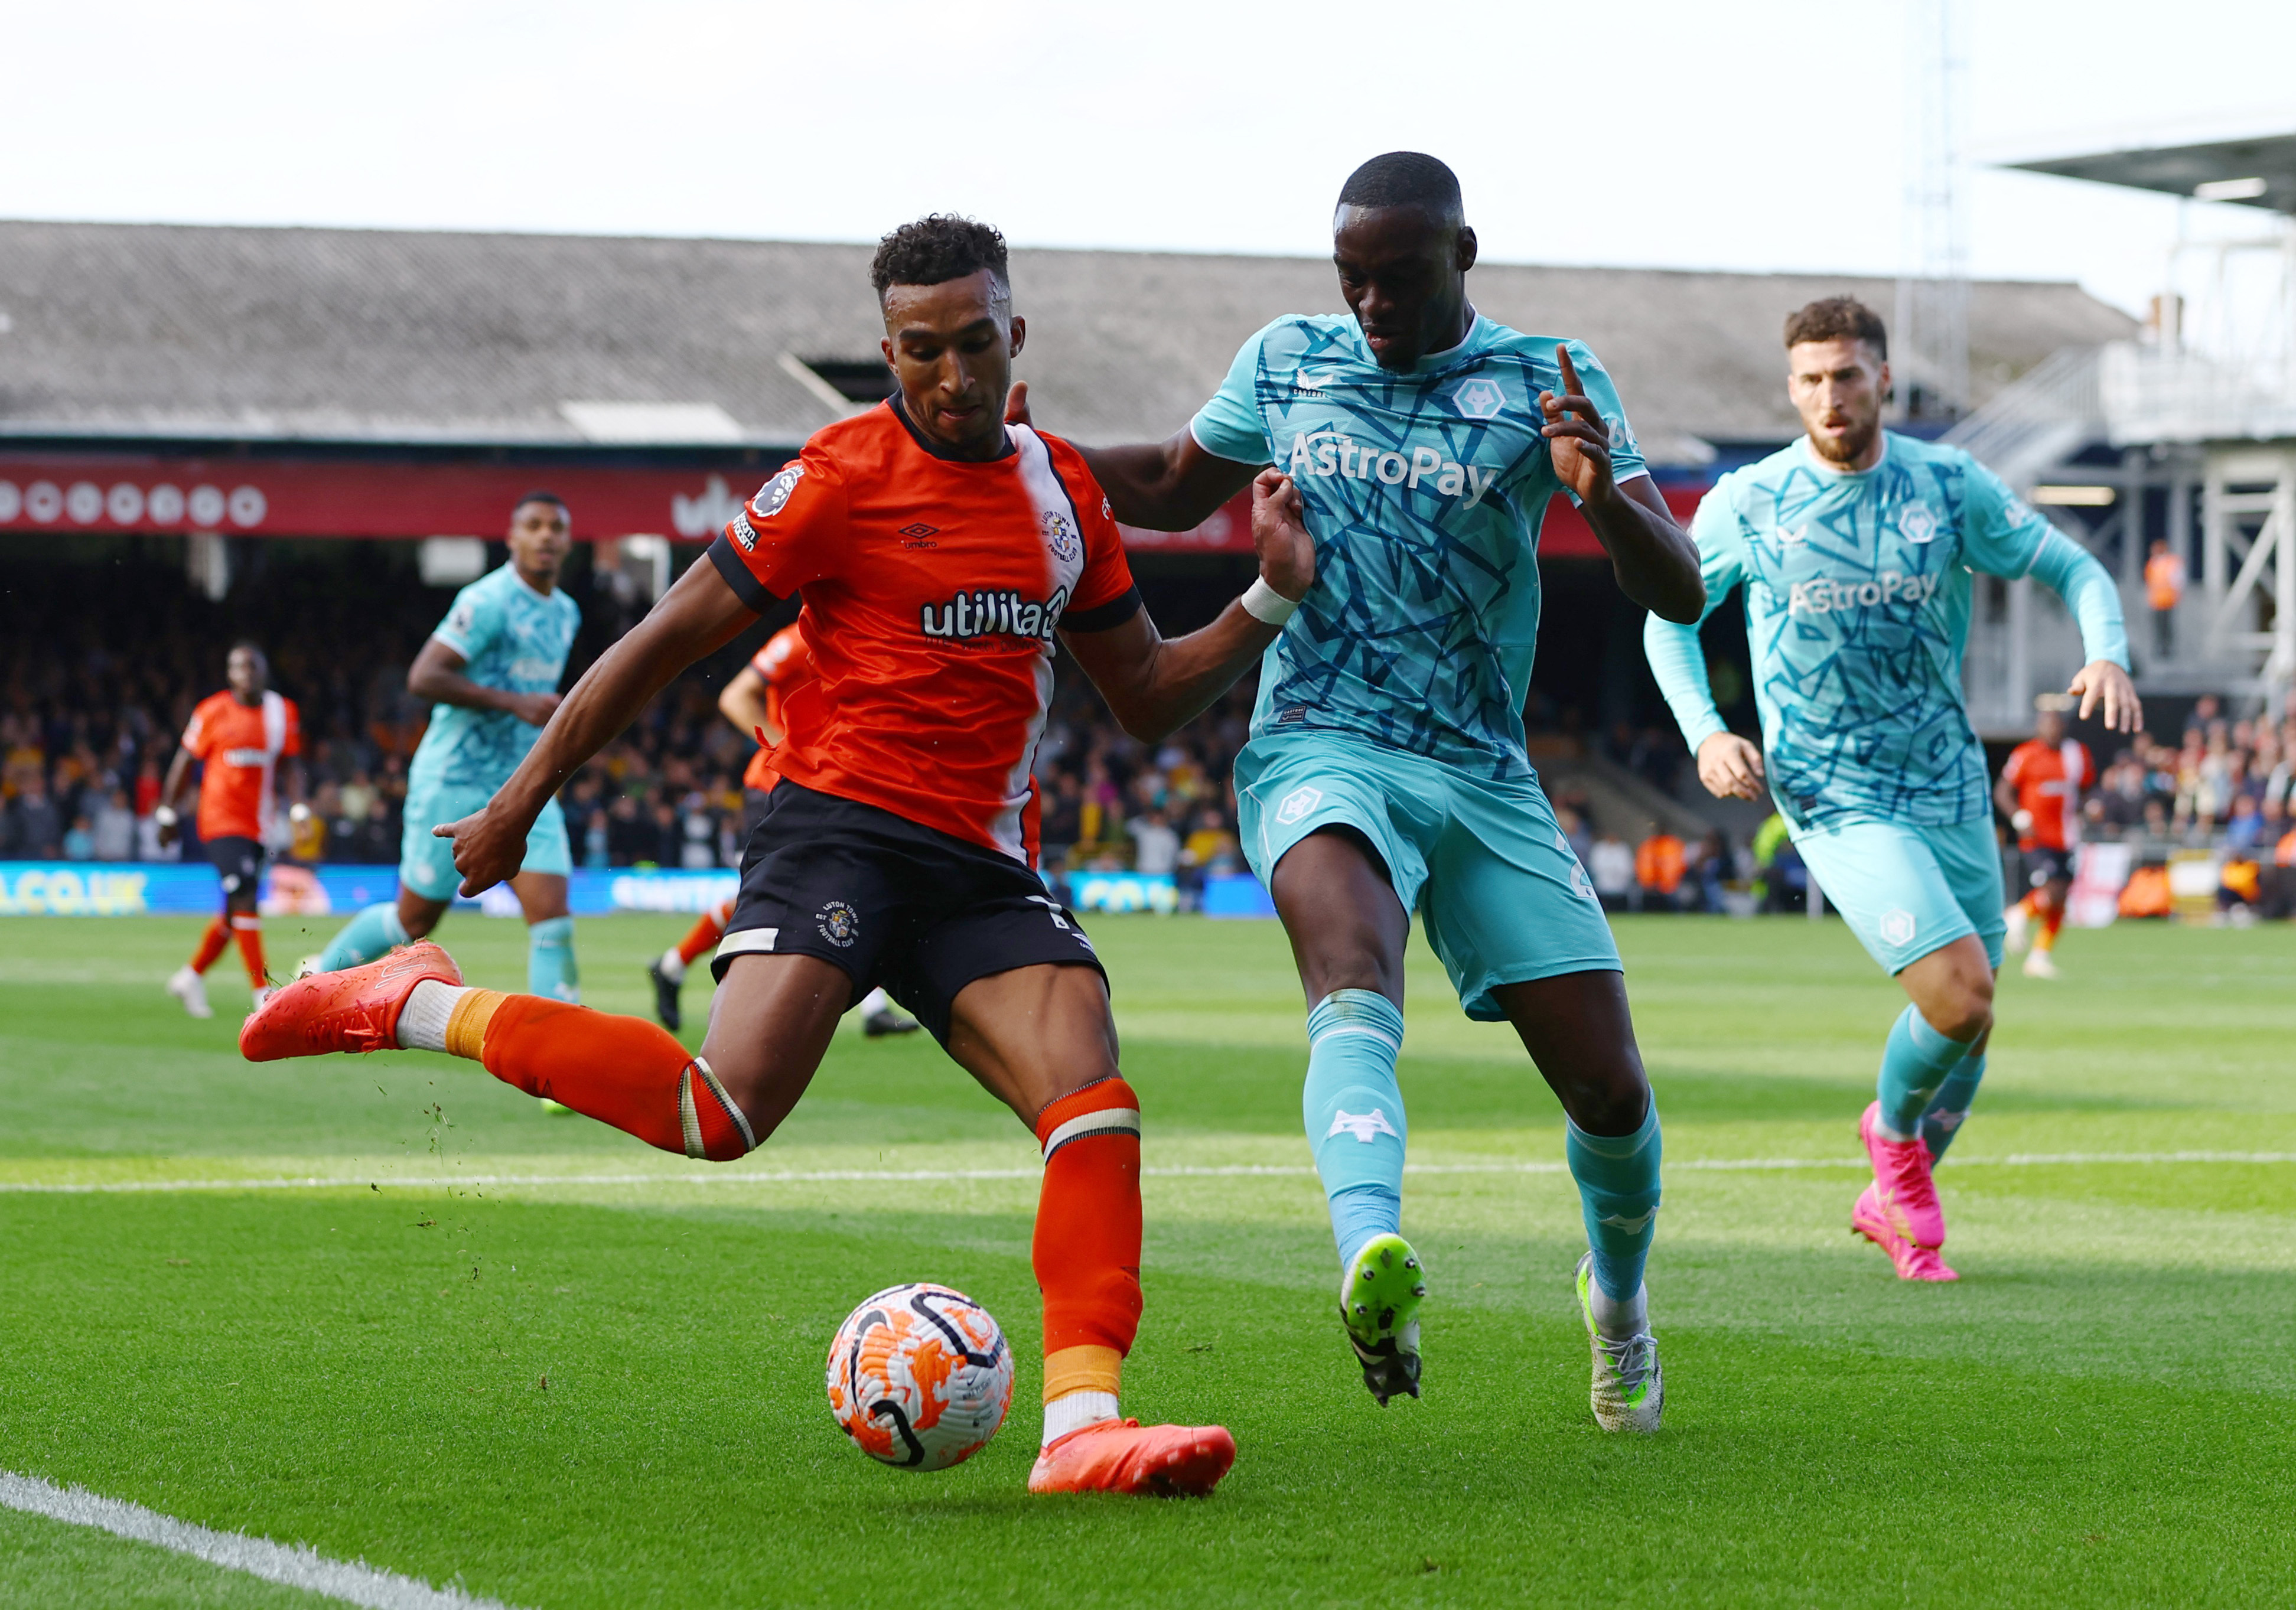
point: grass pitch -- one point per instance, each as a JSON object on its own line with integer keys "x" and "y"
{"x": 529, "y": 1355}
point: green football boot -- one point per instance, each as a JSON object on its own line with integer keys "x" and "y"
{"x": 1379, "y": 1295}
{"x": 1629, "y": 1391}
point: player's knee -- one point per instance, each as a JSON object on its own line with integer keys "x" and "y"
{"x": 1964, "y": 1008}
{"x": 1608, "y": 1099}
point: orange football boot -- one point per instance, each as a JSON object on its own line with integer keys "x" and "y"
{"x": 353, "y": 1010}
{"x": 1124, "y": 1456}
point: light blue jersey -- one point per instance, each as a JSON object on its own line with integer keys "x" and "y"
{"x": 1858, "y": 593}
{"x": 515, "y": 639}
{"x": 1425, "y": 491}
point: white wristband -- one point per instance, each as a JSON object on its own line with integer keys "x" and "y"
{"x": 165, "y": 816}
{"x": 1264, "y": 602}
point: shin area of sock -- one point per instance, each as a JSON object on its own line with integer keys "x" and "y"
{"x": 705, "y": 934}
{"x": 550, "y": 969}
{"x": 1915, "y": 1062}
{"x": 366, "y": 938}
{"x": 248, "y": 930}
{"x": 622, "y": 1071}
{"x": 1949, "y": 1107}
{"x": 1618, "y": 1180}
{"x": 1086, "y": 1249}
{"x": 213, "y": 938}
{"x": 1352, "y": 1109}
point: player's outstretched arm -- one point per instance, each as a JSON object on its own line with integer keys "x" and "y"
{"x": 743, "y": 703}
{"x": 698, "y": 615}
{"x": 1654, "y": 560}
{"x": 436, "y": 676}
{"x": 1167, "y": 486}
{"x": 1156, "y": 686}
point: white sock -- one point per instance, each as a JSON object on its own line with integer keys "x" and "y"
{"x": 1882, "y": 1127}
{"x": 422, "y": 1021}
{"x": 1615, "y": 1320}
{"x": 876, "y": 1001}
{"x": 672, "y": 965}
{"x": 1075, "y": 1411}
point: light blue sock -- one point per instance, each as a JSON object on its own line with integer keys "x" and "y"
{"x": 1914, "y": 1065}
{"x": 363, "y": 938}
{"x": 1353, "y": 1109}
{"x": 550, "y": 970}
{"x": 1618, "y": 1196}
{"x": 1950, "y": 1107}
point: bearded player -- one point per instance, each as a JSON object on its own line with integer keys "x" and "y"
{"x": 1856, "y": 546}
{"x": 245, "y": 736}
{"x": 899, "y": 845}
{"x": 752, "y": 701}
{"x": 492, "y": 669}
{"x": 2039, "y": 792}
{"x": 1386, "y": 772}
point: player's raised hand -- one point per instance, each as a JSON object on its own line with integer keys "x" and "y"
{"x": 1577, "y": 439}
{"x": 1279, "y": 535}
{"x": 489, "y": 848}
{"x": 1730, "y": 767}
{"x": 2101, "y": 682}
{"x": 1016, "y": 405}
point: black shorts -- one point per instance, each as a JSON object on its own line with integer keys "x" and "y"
{"x": 2045, "y": 865}
{"x": 891, "y": 903}
{"x": 753, "y": 811}
{"x": 239, "y": 862}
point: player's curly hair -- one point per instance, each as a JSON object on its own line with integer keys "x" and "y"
{"x": 1839, "y": 319}
{"x": 937, "y": 247}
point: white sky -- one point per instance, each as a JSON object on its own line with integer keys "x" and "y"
{"x": 1757, "y": 135}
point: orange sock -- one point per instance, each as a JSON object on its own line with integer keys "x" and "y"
{"x": 622, "y": 1071}
{"x": 212, "y": 943}
{"x": 706, "y": 933}
{"x": 1086, "y": 1250}
{"x": 2051, "y": 920}
{"x": 249, "y": 931}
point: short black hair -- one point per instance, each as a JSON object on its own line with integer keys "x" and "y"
{"x": 252, "y": 646}
{"x": 540, "y": 495}
{"x": 1406, "y": 178}
{"x": 935, "y": 248}
{"x": 1839, "y": 319}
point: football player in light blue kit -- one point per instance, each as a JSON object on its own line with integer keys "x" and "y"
{"x": 492, "y": 668}
{"x": 1386, "y": 772}
{"x": 1856, "y": 547}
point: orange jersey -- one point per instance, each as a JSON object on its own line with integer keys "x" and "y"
{"x": 932, "y": 588}
{"x": 786, "y": 665}
{"x": 2048, "y": 784}
{"x": 242, "y": 745}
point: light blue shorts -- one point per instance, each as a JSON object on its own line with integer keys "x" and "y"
{"x": 426, "y": 866}
{"x": 1905, "y": 890}
{"x": 1494, "y": 882}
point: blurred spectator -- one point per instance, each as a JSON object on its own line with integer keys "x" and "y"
{"x": 2164, "y": 585}
{"x": 37, "y": 831}
{"x": 1611, "y": 866}
{"x": 1659, "y": 864}
{"x": 115, "y": 828}
{"x": 1156, "y": 852}
{"x": 79, "y": 841}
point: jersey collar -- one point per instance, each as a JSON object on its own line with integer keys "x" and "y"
{"x": 901, "y": 413}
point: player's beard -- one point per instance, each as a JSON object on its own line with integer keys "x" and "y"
{"x": 1849, "y": 447}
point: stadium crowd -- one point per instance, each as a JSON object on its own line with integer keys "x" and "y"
{"x": 87, "y": 728}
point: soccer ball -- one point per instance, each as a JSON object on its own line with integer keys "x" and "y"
{"x": 919, "y": 1377}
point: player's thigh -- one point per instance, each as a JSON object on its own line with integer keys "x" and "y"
{"x": 1885, "y": 881}
{"x": 1033, "y": 1034}
{"x": 770, "y": 1024}
{"x": 1506, "y": 901}
{"x": 1581, "y": 1037}
{"x": 998, "y": 923}
{"x": 1310, "y": 807}
{"x": 1969, "y": 856}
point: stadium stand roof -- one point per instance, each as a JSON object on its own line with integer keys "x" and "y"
{"x": 117, "y": 333}
{"x": 2257, "y": 171}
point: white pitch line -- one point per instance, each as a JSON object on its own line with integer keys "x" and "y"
{"x": 299, "y": 1566}
{"x": 1229, "y": 1171}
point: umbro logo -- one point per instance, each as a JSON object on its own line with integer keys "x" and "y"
{"x": 919, "y": 529}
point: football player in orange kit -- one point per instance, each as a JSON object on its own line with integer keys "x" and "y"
{"x": 899, "y": 843}
{"x": 2039, "y": 791}
{"x": 752, "y": 701}
{"x": 243, "y": 735}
